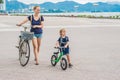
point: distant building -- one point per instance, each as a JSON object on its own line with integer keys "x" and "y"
{"x": 3, "y": 5}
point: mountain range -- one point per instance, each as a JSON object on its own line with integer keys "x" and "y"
{"x": 67, "y": 6}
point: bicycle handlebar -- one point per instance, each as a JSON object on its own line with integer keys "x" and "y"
{"x": 59, "y": 47}
{"x": 22, "y": 26}
{"x": 25, "y": 27}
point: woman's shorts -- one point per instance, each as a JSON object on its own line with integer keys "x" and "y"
{"x": 37, "y": 36}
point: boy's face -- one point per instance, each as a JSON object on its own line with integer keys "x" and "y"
{"x": 62, "y": 33}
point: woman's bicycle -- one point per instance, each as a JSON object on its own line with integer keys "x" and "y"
{"x": 24, "y": 46}
{"x": 58, "y": 56}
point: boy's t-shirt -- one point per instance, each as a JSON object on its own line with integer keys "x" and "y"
{"x": 63, "y": 41}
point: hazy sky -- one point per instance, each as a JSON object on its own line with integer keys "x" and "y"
{"x": 80, "y": 1}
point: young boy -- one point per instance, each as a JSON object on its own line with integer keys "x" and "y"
{"x": 63, "y": 41}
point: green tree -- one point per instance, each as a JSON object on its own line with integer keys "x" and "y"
{"x": 1, "y": 1}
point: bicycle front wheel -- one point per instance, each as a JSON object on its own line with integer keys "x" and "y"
{"x": 24, "y": 53}
{"x": 63, "y": 63}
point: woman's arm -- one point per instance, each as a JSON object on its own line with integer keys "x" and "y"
{"x": 42, "y": 25}
{"x": 23, "y": 22}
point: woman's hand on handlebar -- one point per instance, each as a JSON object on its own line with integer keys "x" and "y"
{"x": 18, "y": 25}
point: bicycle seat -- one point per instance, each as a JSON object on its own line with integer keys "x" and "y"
{"x": 56, "y": 52}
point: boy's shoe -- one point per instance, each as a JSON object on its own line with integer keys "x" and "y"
{"x": 70, "y": 65}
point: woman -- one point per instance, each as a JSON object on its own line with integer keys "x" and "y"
{"x": 36, "y": 27}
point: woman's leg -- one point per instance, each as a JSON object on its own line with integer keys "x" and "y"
{"x": 39, "y": 44}
{"x": 35, "y": 48}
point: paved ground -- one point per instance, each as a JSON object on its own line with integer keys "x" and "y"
{"x": 95, "y": 50}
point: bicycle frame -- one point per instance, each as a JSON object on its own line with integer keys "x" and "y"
{"x": 58, "y": 59}
{"x": 60, "y": 56}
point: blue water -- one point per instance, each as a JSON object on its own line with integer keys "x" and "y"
{"x": 104, "y": 14}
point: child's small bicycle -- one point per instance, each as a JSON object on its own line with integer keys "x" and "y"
{"x": 58, "y": 56}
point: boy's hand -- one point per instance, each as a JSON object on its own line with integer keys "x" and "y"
{"x": 18, "y": 25}
{"x": 65, "y": 46}
{"x": 57, "y": 46}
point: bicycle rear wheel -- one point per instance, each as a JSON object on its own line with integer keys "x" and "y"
{"x": 24, "y": 53}
{"x": 53, "y": 58}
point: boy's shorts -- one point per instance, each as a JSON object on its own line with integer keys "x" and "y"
{"x": 65, "y": 51}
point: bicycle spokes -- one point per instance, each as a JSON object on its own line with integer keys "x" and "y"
{"x": 24, "y": 53}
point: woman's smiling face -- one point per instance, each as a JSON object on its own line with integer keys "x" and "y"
{"x": 37, "y": 10}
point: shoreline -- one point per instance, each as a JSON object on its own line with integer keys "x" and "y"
{"x": 99, "y": 15}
